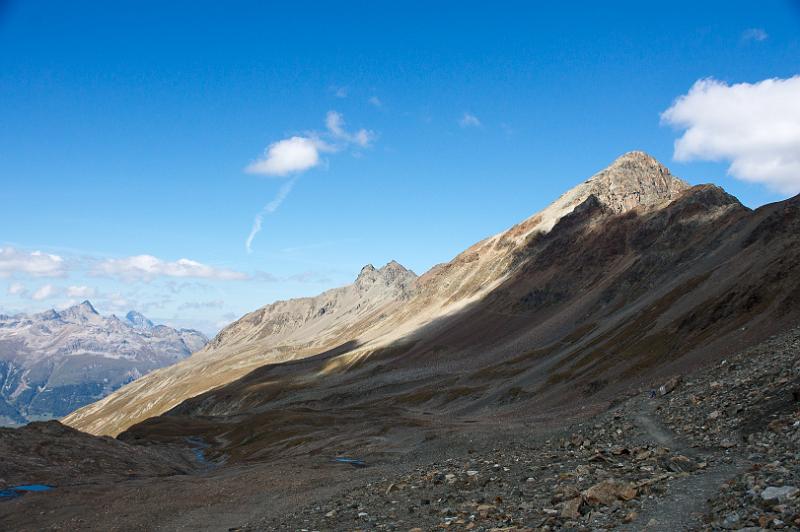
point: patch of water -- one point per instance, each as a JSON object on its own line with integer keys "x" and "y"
{"x": 355, "y": 462}
{"x": 198, "y": 447}
{"x": 17, "y": 491}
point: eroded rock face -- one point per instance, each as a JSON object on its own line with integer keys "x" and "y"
{"x": 635, "y": 179}
{"x": 54, "y": 362}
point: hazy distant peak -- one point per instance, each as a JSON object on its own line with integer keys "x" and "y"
{"x": 51, "y": 314}
{"x": 138, "y": 321}
{"x": 83, "y": 310}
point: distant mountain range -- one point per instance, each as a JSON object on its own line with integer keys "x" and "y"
{"x": 54, "y": 362}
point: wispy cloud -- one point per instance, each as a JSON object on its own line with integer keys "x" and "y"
{"x": 297, "y": 154}
{"x": 46, "y": 291}
{"x": 147, "y": 267}
{"x": 50, "y": 291}
{"x": 81, "y": 291}
{"x": 176, "y": 287}
{"x": 754, "y": 34}
{"x": 335, "y": 123}
{"x": 469, "y": 120}
{"x": 268, "y": 209}
{"x": 309, "y": 277}
{"x": 754, "y": 126}
{"x": 196, "y": 305}
{"x": 374, "y": 101}
{"x": 317, "y": 245}
{"x": 33, "y": 263}
{"x": 17, "y": 289}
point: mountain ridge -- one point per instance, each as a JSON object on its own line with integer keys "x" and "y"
{"x": 600, "y": 307}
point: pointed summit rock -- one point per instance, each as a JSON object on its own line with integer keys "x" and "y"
{"x": 138, "y": 321}
{"x": 391, "y": 274}
{"x": 393, "y": 265}
{"x": 393, "y": 270}
{"x": 632, "y": 180}
{"x": 83, "y": 311}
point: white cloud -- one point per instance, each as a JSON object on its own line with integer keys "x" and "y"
{"x": 754, "y": 126}
{"x": 269, "y": 208}
{"x": 298, "y": 154}
{"x": 17, "y": 289}
{"x": 46, "y": 291}
{"x": 375, "y": 101}
{"x": 147, "y": 267}
{"x": 754, "y": 34}
{"x": 335, "y": 123}
{"x": 469, "y": 120}
{"x": 295, "y": 154}
{"x": 80, "y": 291}
{"x": 340, "y": 92}
{"x": 33, "y": 263}
{"x": 117, "y": 302}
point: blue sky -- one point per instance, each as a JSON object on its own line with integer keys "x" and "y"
{"x": 126, "y": 129}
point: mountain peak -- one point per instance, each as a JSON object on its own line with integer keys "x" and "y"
{"x": 638, "y": 159}
{"x": 83, "y": 310}
{"x": 391, "y": 273}
{"x": 138, "y": 321}
{"x": 366, "y": 272}
{"x": 394, "y": 266}
{"x": 633, "y": 179}
{"x": 87, "y": 307}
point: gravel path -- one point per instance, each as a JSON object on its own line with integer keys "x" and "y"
{"x": 686, "y": 503}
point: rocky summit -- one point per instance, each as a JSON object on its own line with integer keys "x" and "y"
{"x": 627, "y": 358}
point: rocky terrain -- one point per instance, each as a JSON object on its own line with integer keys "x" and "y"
{"x": 54, "y": 362}
{"x": 714, "y": 450}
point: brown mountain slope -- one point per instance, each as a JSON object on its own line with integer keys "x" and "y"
{"x": 606, "y": 300}
{"x": 372, "y": 313}
{"x": 281, "y": 331}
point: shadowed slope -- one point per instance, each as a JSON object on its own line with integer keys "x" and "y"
{"x": 601, "y": 304}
